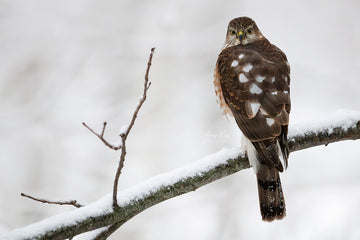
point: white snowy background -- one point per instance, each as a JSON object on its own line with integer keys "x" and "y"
{"x": 65, "y": 62}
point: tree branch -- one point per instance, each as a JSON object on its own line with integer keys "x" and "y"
{"x": 134, "y": 200}
{"x": 325, "y": 136}
{"x": 70, "y": 202}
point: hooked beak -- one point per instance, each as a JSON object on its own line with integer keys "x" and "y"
{"x": 241, "y": 35}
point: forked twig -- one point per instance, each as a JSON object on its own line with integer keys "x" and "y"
{"x": 123, "y": 134}
{"x": 71, "y": 202}
{"x": 101, "y": 136}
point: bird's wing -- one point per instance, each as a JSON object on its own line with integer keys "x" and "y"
{"x": 255, "y": 86}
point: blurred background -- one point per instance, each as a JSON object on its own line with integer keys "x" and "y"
{"x": 65, "y": 62}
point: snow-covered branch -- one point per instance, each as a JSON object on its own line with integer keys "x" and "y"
{"x": 344, "y": 125}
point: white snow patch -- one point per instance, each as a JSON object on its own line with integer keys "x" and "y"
{"x": 124, "y": 129}
{"x": 241, "y": 56}
{"x": 260, "y": 78}
{"x": 247, "y": 67}
{"x": 286, "y": 92}
{"x": 234, "y": 63}
{"x": 254, "y": 89}
{"x": 341, "y": 118}
{"x": 273, "y": 79}
{"x": 255, "y": 107}
{"x": 90, "y": 235}
{"x": 274, "y": 93}
{"x": 270, "y": 121}
{"x": 242, "y": 78}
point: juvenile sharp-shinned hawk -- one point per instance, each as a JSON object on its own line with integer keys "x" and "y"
{"x": 252, "y": 84}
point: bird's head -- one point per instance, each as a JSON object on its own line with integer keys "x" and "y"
{"x": 242, "y": 30}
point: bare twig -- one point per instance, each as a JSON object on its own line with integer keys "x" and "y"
{"x": 101, "y": 136}
{"x": 124, "y": 134}
{"x": 71, "y": 202}
{"x": 142, "y": 100}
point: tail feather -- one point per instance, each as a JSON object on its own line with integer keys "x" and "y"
{"x": 271, "y": 198}
{"x": 268, "y": 159}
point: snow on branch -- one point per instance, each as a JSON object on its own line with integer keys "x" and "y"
{"x": 338, "y": 126}
{"x": 344, "y": 125}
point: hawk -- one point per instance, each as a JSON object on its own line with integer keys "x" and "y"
{"x": 252, "y": 85}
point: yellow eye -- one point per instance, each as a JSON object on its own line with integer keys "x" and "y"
{"x": 233, "y": 32}
{"x": 249, "y": 31}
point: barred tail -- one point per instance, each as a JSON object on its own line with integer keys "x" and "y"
{"x": 271, "y": 198}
